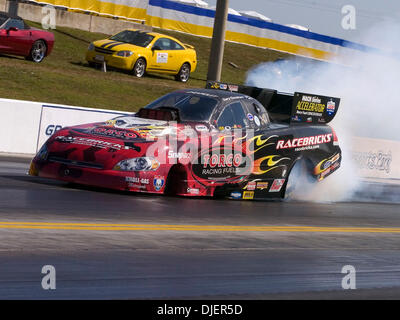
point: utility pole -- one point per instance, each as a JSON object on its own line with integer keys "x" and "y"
{"x": 218, "y": 40}
{"x": 13, "y": 7}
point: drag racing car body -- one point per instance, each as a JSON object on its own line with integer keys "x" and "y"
{"x": 201, "y": 142}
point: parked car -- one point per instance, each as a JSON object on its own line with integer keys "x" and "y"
{"x": 17, "y": 38}
{"x": 140, "y": 52}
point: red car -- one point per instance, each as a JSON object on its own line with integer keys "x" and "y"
{"x": 201, "y": 142}
{"x": 17, "y": 38}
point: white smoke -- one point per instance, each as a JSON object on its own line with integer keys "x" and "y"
{"x": 367, "y": 84}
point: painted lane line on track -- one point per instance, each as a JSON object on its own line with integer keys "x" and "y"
{"x": 154, "y": 227}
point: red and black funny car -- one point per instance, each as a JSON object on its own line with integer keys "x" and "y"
{"x": 227, "y": 140}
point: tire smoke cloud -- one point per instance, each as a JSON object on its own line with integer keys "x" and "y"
{"x": 366, "y": 82}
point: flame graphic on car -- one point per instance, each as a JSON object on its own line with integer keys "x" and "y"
{"x": 270, "y": 161}
{"x": 259, "y": 143}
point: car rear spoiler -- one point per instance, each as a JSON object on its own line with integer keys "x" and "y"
{"x": 286, "y": 107}
{"x": 188, "y": 46}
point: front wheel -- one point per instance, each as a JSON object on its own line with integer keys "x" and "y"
{"x": 176, "y": 181}
{"x": 139, "y": 68}
{"x": 38, "y": 51}
{"x": 184, "y": 73}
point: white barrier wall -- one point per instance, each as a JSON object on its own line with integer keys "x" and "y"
{"x": 55, "y": 117}
{"x": 20, "y": 126}
{"x": 27, "y": 125}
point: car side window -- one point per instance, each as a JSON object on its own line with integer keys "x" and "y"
{"x": 15, "y": 23}
{"x": 257, "y": 115}
{"x": 232, "y": 117}
{"x": 163, "y": 44}
{"x": 176, "y": 46}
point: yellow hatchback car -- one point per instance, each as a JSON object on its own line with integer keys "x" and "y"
{"x": 141, "y": 52}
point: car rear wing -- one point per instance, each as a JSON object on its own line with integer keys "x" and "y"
{"x": 285, "y": 107}
{"x": 188, "y": 46}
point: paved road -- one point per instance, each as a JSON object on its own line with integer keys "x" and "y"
{"x": 107, "y": 245}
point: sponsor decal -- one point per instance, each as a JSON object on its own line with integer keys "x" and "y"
{"x": 202, "y": 94}
{"x": 214, "y": 85}
{"x": 379, "y": 161}
{"x": 335, "y": 165}
{"x": 304, "y": 142}
{"x": 233, "y": 87}
{"x": 257, "y": 121}
{"x": 262, "y": 185}
{"x": 193, "y": 191}
{"x": 158, "y": 182}
{"x": 91, "y": 142}
{"x": 233, "y": 98}
{"x": 248, "y": 195}
{"x": 328, "y": 171}
{"x": 162, "y": 57}
{"x": 137, "y": 180}
{"x": 221, "y": 163}
{"x": 222, "y": 160}
{"x": 201, "y": 128}
{"x": 321, "y": 109}
{"x": 236, "y": 195}
{"x": 250, "y": 117}
{"x": 324, "y": 174}
{"x": 296, "y": 118}
{"x": 310, "y": 104}
{"x": 229, "y": 128}
{"x": 327, "y": 164}
{"x": 277, "y": 185}
{"x": 136, "y": 186}
{"x": 115, "y": 133}
{"x": 51, "y": 128}
{"x": 223, "y": 86}
{"x": 127, "y": 122}
{"x": 178, "y": 155}
{"x": 186, "y": 132}
{"x": 250, "y": 186}
{"x": 330, "y": 107}
{"x": 335, "y": 158}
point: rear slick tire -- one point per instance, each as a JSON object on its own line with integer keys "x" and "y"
{"x": 299, "y": 181}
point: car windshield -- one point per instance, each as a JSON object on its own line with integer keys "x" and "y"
{"x": 191, "y": 106}
{"x": 136, "y": 38}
